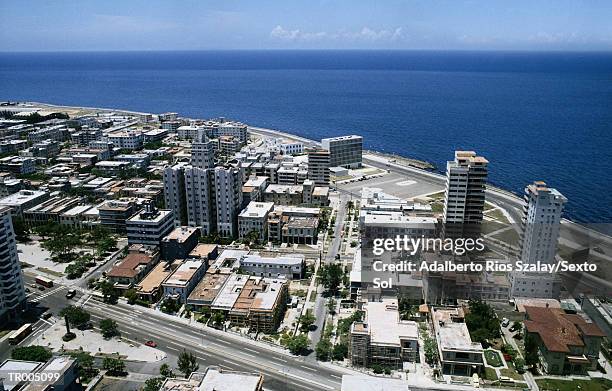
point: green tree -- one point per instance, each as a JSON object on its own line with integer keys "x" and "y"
{"x": 153, "y": 384}
{"x": 217, "y": 318}
{"x": 109, "y": 328}
{"x": 323, "y": 349}
{"x": 331, "y": 276}
{"x": 31, "y": 353}
{"x": 108, "y": 291}
{"x": 306, "y": 321}
{"x": 531, "y": 350}
{"x": 113, "y": 366}
{"x": 482, "y": 322}
{"x": 131, "y": 295}
{"x": 331, "y": 306}
{"x": 85, "y": 365}
{"x": 170, "y": 306}
{"x": 76, "y": 316}
{"x": 187, "y": 363}
{"x": 165, "y": 371}
{"x": 298, "y": 344}
{"x": 340, "y": 351}
{"x": 22, "y": 232}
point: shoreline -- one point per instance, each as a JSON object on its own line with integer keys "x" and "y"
{"x": 495, "y": 191}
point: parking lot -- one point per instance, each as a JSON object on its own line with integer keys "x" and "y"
{"x": 395, "y": 184}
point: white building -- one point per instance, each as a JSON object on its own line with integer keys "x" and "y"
{"x": 255, "y": 218}
{"x": 174, "y": 192}
{"x": 228, "y": 199}
{"x": 127, "y": 139}
{"x": 289, "y": 267}
{"x": 199, "y": 197}
{"x": 464, "y": 197}
{"x": 184, "y": 278}
{"x": 291, "y": 148}
{"x": 540, "y": 224}
{"x": 344, "y": 151}
{"x": 24, "y": 200}
{"x": 12, "y": 293}
{"x": 149, "y": 226}
{"x": 202, "y": 152}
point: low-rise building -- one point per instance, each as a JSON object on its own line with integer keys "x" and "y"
{"x": 253, "y": 189}
{"x": 382, "y": 338}
{"x": 206, "y": 291}
{"x": 134, "y": 267}
{"x": 18, "y": 165}
{"x": 149, "y": 289}
{"x": 567, "y": 343}
{"x": 260, "y": 305}
{"x": 254, "y": 218}
{"x": 300, "y": 230}
{"x": 114, "y": 214}
{"x": 204, "y": 251}
{"x": 216, "y": 379}
{"x": 129, "y": 139}
{"x": 179, "y": 243}
{"x": 23, "y": 200}
{"x": 458, "y": 354}
{"x": 112, "y": 167}
{"x": 50, "y": 210}
{"x": 184, "y": 278}
{"x": 290, "y": 267}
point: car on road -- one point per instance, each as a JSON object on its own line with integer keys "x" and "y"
{"x": 151, "y": 344}
{"x": 33, "y": 285}
{"x": 71, "y": 293}
{"x": 47, "y": 315}
{"x": 28, "y": 290}
{"x": 41, "y": 288}
{"x": 505, "y": 322}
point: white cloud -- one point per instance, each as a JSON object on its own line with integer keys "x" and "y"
{"x": 366, "y": 34}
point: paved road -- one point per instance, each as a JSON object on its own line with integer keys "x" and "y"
{"x": 282, "y": 371}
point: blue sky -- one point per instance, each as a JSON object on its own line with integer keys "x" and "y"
{"x": 260, "y": 24}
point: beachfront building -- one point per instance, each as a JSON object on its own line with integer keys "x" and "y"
{"x": 464, "y": 196}
{"x": 344, "y": 151}
{"x": 382, "y": 338}
{"x": 126, "y": 139}
{"x": 318, "y": 166}
{"x": 12, "y": 293}
{"x": 540, "y": 232}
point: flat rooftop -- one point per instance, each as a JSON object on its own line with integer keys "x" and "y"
{"x": 209, "y": 287}
{"x": 217, "y": 379}
{"x": 22, "y": 197}
{"x": 293, "y": 259}
{"x": 450, "y": 334}
{"x": 184, "y": 273}
{"x": 203, "y": 250}
{"x": 372, "y": 383}
{"x": 155, "y": 278}
{"x": 385, "y": 326}
{"x": 227, "y": 296}
{"x": 257, "y": 209}
{"x": 180, "y": 234}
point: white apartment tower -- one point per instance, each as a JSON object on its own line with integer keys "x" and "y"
{"x": 228, "y": 197}
{"x": 12, "y": 293}
{"x": 202, "y": 151}
{"x": 174, "y": 192}
{"x": 540, "y": 232}
{"x": 199, "y": 198}
{"x": 464, "y": 197}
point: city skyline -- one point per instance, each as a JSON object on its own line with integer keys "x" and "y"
{"x": 402, "y": 25}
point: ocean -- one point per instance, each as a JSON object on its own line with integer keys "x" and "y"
{"x": 534, "y": 116}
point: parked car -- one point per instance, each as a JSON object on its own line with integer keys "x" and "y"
{"x": 505, "y": 322}
{"x": 71, "y": 293}
{"x": 47, "y": 315}
{"x": 151, "y": 344}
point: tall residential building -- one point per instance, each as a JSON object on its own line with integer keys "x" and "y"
{"x": 540, "y": 231}
{"x": 202, "y": 151}
{"x": 228, "y": 199}
{"x": 318, "y": 166}
{"x": 464, "y": 198}
{"x": 345, "y": 151}
{"x": 200, "y": 199}
{"x": 12, "y": 293}
{"x": 174, "y": 192}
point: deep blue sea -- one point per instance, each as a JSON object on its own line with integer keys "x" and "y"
{"x": 535, "y": 116}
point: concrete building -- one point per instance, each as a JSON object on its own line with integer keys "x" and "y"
{"x": 318, "y": 166}
{"x": 200, "y": 199}
{"x": 288, "y": 267}
{"x": 344, "y": 151}
{"x": 136, "y": 160}
{"x": 179, "y": 243}
{"x": 228, "y": 199}
{"x": 23, "y": 200}
{"x": 261, "y": 304}
{"x": 540, "y": 232}
{"x": 391, "y": 224}
{"x": 568, "y": 344}
{"x": 50, "y": 210}
{"x": 292, "y": 148}
{"x": 253, "y": 189}
{"x": 185, "y": 277}
{"x": 115, "y": 213}
{"x": 55, "y": 133}
{"x": 174, "y": 192}
{"x": 149, "y": 288}
{"x": 254, "y": 218}
{"x": 12, "y": 293}
{"x": 216, "y": 379}
{"x": 459, "y": 356}
{"x": 112, "y": 167}
{"x": 18, "y": 165}
{"x": 202, "y": 152}
{"x": 464, "y": 196}
{"x": 149, "y": 226}
{"x": 382, "y": 338}
{"x": 204, "y": 251}
{"x": 128, "y": 272}
{"x": 127, "y": 139}
{"x": 300, "y": 230}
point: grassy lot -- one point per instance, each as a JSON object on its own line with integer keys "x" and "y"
{"x": 511, "y": 373}
{"x": 509, "y": 236}
{"x": 497, "y": 215}
{"x": 437, "y": 207}
{"x": 490, "y": 374}
{"x": 573, "y": 385}
{"x": 493, "y": 358}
